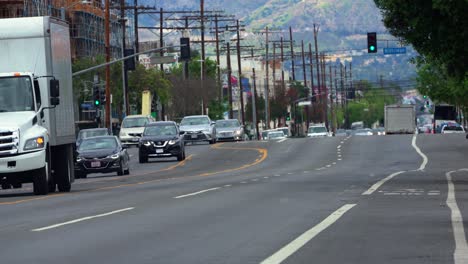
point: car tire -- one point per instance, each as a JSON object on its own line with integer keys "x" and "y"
{"x": 40, "y": 184}
{"x": 6, "y": 186}
{"x": 181, "y": 156}
{"x": 17, "y": 185}
{"x": 121, "y": 170}
{"x": 142, "y": 159}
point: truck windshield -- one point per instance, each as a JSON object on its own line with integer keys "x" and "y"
{"x": 16, "y": 94}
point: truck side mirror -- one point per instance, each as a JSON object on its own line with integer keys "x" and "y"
{"x": 54, "y": 101}
{"x": 54, "y": 88}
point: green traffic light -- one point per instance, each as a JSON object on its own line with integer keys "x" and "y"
{"x": 372, "y": 48}
{"x": 96, "y": 102}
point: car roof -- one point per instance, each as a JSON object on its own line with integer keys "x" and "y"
{"x": 232, "y": 119}
{"x": 94, "y": 129}
{"x": 137, "y": 116}
{"x": 108, "y": 136}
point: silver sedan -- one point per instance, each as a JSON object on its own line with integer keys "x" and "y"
{"x": 229, "y": 129}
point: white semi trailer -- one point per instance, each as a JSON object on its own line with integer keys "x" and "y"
{"x": 37, "y": 132}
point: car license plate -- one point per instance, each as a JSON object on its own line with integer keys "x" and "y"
{"x": 159, "y": 151}
{"x": 194, "y": 136}
{"x": 95, "y": 164}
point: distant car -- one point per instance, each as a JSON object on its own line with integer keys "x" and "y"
{"x": 103, "y": 154}
{"x": 425, "y": 129}
{"x": 264, "y": 134}
{"x": 452, "y": 129}
{"x": 229, "y": 129}
{"x": 316, "y": 131}
{"x": 132, "y": 128}
{"x": 285, "y": 130}
{"x": 340, "y": 133}
{"x": 91, "y": 132}
{"x": 380, "y": 131}
{"x": 198, "y": 128}
{"x": 363, "y": 132}
{"x": 161, "y": 140}
{"x": 273, "y": 135}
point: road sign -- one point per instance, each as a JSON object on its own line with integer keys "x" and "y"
{"x": 401, "y": 50}
{"x": 304, "y": 103}
{"x": 163, "y": 60}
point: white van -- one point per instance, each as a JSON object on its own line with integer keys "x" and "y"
{"x": 132, "y": 128}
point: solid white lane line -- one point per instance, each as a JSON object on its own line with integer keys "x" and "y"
{"x": 281, "y": 140}
{"x": 418, "y": 150}
{"x": 195, "y": 193}
{"x": 377, "y": 185}
{"x": 82, "y": 219}
{"x": 303, "y": 239}
{"x": 461, "y": 246}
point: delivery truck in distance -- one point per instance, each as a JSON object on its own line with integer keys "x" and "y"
{"x": 400, "y": 119}
{"x": 37, "y": 131}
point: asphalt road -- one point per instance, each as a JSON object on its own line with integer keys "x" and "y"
{"x": 374, "y": 199}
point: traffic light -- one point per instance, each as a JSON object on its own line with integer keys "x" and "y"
{"x": 185, "y": 49}
{"x": 102, "y": 93}
{"x": 372, "y": 42}
{"x": 129, "y": 63}
{"x": 288, "y": 117}
{"x": 96, "y": 96}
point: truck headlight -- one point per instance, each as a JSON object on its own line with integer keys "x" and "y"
{"x": 34, "y": 143}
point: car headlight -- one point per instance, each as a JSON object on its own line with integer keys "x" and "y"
{"x": 123, "y": 134}
{"x": 34, "y": 143}
{"x": 206, "y": 130}
{"x": 79, "y": 159}
{"x": 147, "y": 143}
{"x": 238, "y": 132}
{"x": 114, "y": 156}
{"x": 173, "y": 141}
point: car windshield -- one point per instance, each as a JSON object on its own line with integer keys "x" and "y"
{"x": 195, "y": 121}
{"x": 92, "y": 133}
{"x": 277, "y": 134}
{"x": 134, "y": 122}
{"x": 160, "y": 130}
{"x": 16, "y": 94}
{"x": 359, "y": 131}
{"x": 319, "y": 129}
{"x": 227, "y": 123}
{"x": 453, "y": 128}
{"x": 98, "y": 143}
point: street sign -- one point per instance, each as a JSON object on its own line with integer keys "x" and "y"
{"x": 163, "y": 60}
{"x": 401, "y": 50}
{"x": 304, "y": 103}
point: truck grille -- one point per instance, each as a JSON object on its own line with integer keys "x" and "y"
{"x": 8, "y": 142}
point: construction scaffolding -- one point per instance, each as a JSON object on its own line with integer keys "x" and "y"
{"x": 86, "y": 20}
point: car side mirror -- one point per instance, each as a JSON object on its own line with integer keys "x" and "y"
{"x": 181, "y": 132}
{"x": 124, "y": 147}
{"x": 213, "y": 123}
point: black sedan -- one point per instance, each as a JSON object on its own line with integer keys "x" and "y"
{"x": 103, "y": 154}
{"x": 161, "y": 140}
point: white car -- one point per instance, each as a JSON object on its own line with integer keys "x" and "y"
{"x": 198, "y": 128}
{"x": 453, "y": 129}
{"x": 132, "y": 128}
{"x": 316, "y": 131}
{"x": 273, "y": 135}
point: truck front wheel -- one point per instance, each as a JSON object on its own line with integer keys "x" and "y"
{"x": 40, "y": 184}
{"x": 63, "y": 167}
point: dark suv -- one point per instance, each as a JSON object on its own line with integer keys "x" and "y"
{"x": 161, "y": 140}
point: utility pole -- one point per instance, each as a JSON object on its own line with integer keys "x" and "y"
{"x": 331, "y": 101}
{"x": 292, "y": 54}
{"x": 325, "y": 91}
{"x": 254, "y": 106}
{"x": 304, "y": 71}
{"x": 218, "y": 66}
{"x": 107, "y": 43}
{"x": 202, "y": 32}
{"x": 229, "y": 79}
{"x": 274, "y": 69}
{"x": 267, "y": 82}
{"x": 241, "y": 90}
{"x": 135, "y": 18}
{"x": 312, "y": 94}
{"x": 125, "y": 109}
{"x": 282, "y": 69}
{"x": 319, "y": 83}
{"x": 161, "y": 37}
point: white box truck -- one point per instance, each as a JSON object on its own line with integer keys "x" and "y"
{"x": 36, "y": 104}
{"x": 400, "y": 119}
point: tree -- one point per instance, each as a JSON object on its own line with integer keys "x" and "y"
{"x": 438, "y": 30}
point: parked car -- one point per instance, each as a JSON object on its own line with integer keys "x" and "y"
{"x": 274, "y": 135}
{"x": 198, "y": 128}
{"x": 363, "y": 132}
{"x": 103, "y": 154}
{"x": 132, "y": 128}
{"x": 161, "y": 139}
{"x": 229, "y": 129}
{"x": 318, "y": 131}
{"x": 91, "y": 132}
{"x": 452, "y": 129}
